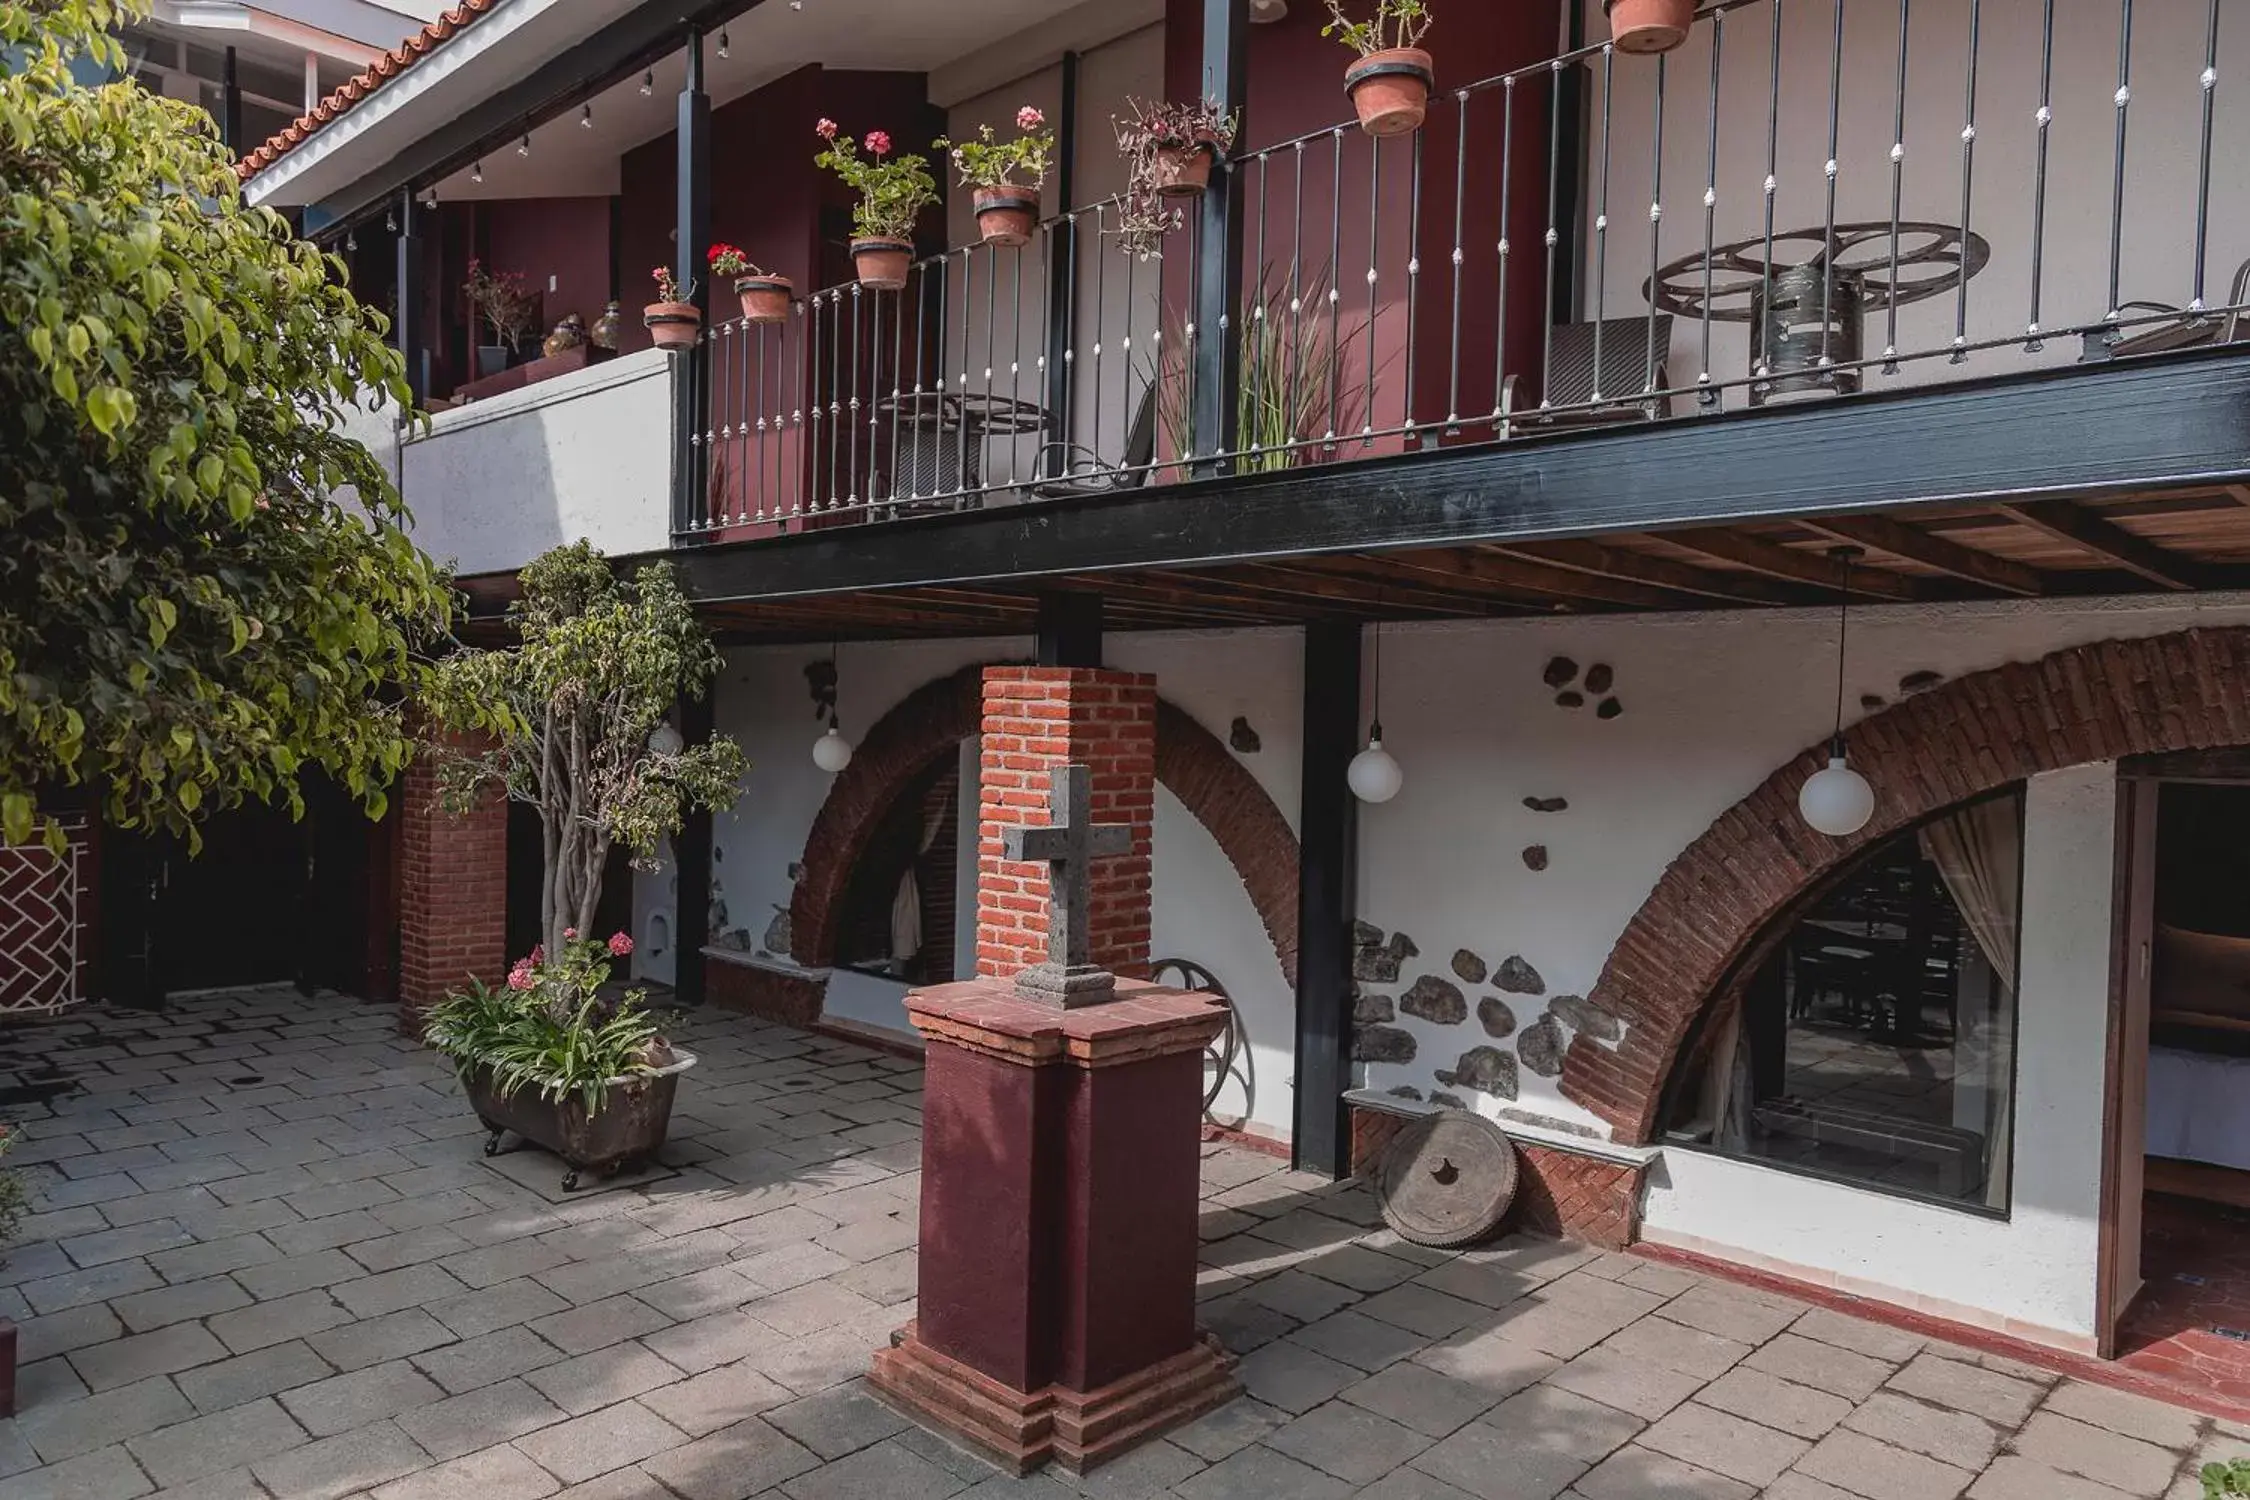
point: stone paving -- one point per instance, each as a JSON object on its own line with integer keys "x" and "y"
{"x": 270, "y": 1261}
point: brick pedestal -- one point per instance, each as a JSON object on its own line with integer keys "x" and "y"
{"x": 453, "y": 896}
{"x": 1059, "y": 1203}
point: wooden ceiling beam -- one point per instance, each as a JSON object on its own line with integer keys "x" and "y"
{"x": 1884, "y": 534}
{"x": 1542, "y": 580}
{"x": 1603, "y": 560}
{"x": 2069, "y": 522}
{"x": 1317, "y": 595}
{"x": 1788, "y": 563}
{"x": 1457, "y": 576}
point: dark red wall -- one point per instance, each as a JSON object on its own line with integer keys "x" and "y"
{"x": 565, "y": 238}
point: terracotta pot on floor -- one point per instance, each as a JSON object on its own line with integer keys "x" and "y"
{"x": 1649, "y": 25}
{"x": 674, "y": 325}
{"x": 765, "y": 299}
{"x": 1391, "y": 90}
{"x": 1006, "y": 215}
{"x": 1183, "y": 171}
{"x": 882, "y": 264}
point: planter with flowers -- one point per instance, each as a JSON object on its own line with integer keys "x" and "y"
{"x": 1649, "y": 25}
{"x": 1006, "y": 176}
{"x": 893, "y": 191}
{"x": 765, "y": 296}
{"x": 505, "y": 303}
{"x": 553, "y": 1060}
{"x": 1169, "y": 150}
{"x": 1390, "y": 84}
{"x": 671, "y": 319}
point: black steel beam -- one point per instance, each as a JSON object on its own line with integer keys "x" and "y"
{"x": 2162, "y": 421}
{"x": 407, "y": 332}
{"x": 1218, "y": 262}
{"x": 1326, "y": 857}
{"x": 691, "y": 232}
{"x": 1069, "y": 632}
{"x": 691, "y": 857}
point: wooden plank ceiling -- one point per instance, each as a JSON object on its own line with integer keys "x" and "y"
{"x": 2176, "y": 542}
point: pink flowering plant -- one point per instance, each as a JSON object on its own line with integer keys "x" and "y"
{"x": 668, "y": 287}
{"x": 989, "y": 162}
{"x": 556, "y": 1026}
{"x": 893, "y": 189}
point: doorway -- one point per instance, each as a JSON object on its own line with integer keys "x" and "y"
{"x": 2178, "y": 1282}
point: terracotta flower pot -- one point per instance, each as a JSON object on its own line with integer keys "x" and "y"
{"x": 1006, "y": 215}
{"x": 674, "y": 325}
{"x": 882, "y": 264}
{"x": 765, "y": 299}
{"x": 1391, "y": 89}
{"x": 1183, "y": 171}
{"x": 1649, "y": 25}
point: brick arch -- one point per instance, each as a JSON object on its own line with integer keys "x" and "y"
{"x": 1715, "y": 901}
{"x": 1190, "y": 762}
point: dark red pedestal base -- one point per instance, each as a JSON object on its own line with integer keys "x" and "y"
{"x": 1060, "y": 1157}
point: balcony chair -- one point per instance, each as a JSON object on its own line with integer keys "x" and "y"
{"x": 1085, "y": 474}
{"x": 1625, "y": 344}
{"x": 2185, "y": 331}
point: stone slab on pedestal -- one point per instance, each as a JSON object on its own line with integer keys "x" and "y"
{"x": 1056, "y": 1308}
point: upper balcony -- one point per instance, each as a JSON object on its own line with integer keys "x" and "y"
{"x": 1809, "y": 206}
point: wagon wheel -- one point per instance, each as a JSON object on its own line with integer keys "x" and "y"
{"x": 1227, "y": 1052}
{"x": 1446, "y": 1179}
{"x": 1930, "y": 258}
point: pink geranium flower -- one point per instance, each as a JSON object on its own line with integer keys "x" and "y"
{"x": 826, "y": 129}
{"x": 878, "y": 143}
{"x": 538, "y": 955}
{"x": 620, "y": 944}
{"x": 570, "y": 932}
{"x": 519, "y": 978}
{"x": 1029, "y": 118}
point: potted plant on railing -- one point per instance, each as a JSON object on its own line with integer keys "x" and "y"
{"x": 1390, "y": 84}
{"x": 550, "y": 1057}
{"x": 571, "y": 720}
{"x": 507, "y": 305}
{"x": 671, "y": 320}
{"x": 1649, "y": 25}
{"x": 765, "y": 296}
{"x": 1169, "y": 148}
{"x": 893, "y": 191}
{"x": 1006, "y": 176}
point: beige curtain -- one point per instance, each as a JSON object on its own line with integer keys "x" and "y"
{"x": 1979, "y": 852}
{"x": 1726, "y": 1085}
{"x": 906, "y": 906}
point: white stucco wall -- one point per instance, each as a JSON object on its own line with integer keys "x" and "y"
{"x": 589, "y": 454}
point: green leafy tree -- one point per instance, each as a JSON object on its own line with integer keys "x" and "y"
{"x": 189, "y": 618}
{"x": 571, "y": 720}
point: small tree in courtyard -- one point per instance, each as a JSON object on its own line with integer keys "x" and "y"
{"x": 571, "y": 720}
{"x": 188, "y": 617}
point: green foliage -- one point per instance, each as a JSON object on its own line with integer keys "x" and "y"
{"x": 563, "y": 721}
{"x": 188, "y": 617}
{"x": 550, "y": 1028}
{"x": 1294, "y": 393}
{"x": 989, "y": 162}
{"x": 1397, "y": 23}
{"x": 2224, "y": 1480}
{"x": 893, "y": 190}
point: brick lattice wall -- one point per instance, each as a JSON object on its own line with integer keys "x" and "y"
{"x": 1037, "y": 720}
{"x": 1967, "y": 737}
{"x": 453, "y": 895}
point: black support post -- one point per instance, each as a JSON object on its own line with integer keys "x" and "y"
{"x": 1218, "y": 260}
{"x": 692, "y": 232}
{"x": 691, "y": 855}
{"x": 408, "y": 332}
{"x": 230, "y": 106}
{"x": 1069, "y": 629}
{"x": 1326, "y": 859}
{"x": 1062, "y": 272}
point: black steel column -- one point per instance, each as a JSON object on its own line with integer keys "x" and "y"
{"x": 1218, "y": 261}
{"x": 691, "y": 855}
{"x": 407, "y": 332}
{"x": 1069, "y": 629}
{"x": 692, "y": 232}
{"x": 230, "y": 107}
{"x": 1062, "y": 269}
{"x": 1326, "y": 858}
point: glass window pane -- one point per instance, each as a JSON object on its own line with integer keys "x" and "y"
{"x": 1873, "y": 1039}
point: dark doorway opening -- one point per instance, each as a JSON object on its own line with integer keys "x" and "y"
{"x": 899, "y": 906}
{"x": 527, "y": 864}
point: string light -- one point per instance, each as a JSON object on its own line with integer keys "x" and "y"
{"x": 525, "y": 148}
{"x": 351, "y": 242}
{"x": 648, "y": 83}
{"x": 722, "y": 42}
{"x": 390, "y": 221}
{"x": 476, "y": 172}
{"x": 585, "y": 117}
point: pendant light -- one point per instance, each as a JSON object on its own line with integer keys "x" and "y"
{"x": 1374, "y": 775}
{"x": 832, "y": 752}
{"x": 1837, "y": 800}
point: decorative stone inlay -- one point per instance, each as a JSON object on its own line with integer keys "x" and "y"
{"x": 1449, "y": 1101}
{"x": 1872, "y": 701}
{"x": 1485, "y": 1069}
{"x": 1432, "y": 999}
{"x": 1548, "y": 1122}
{"x": 1571, "y": 699}
{"x": 1407, "y": 1091}
{"x": 1919, "y": 682}
{"x": 1470, "y": 967}
{"x": 1242, "y": 739}
{"x": 1518, "y": 977}
{"x": 1370, "y": 1008}
{"x": 1493, "y": 1014}
{"x": 1585, "y": 1018}
{"x": 1382, "y": 1044}
{"x": 1599, "y": 676}
{"x": 1541, "y": 1047}
{"x": 1547, "y": 804}
{"x": 1535, "y": 858}
{"x": 1560, "y": 670}
{"x": 1609, "y": 708}
{"x": 1377, "y": 961}
{"x": 778, "y": 933}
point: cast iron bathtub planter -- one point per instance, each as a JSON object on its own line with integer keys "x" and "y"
{"x": 624, "y": 1134}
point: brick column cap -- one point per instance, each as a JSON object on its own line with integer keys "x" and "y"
{"x": 1144, "y": 1021}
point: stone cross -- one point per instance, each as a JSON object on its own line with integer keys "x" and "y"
{"x": 1068, "y": 845}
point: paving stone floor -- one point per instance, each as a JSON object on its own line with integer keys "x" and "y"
{"x": 270, "y": 1261}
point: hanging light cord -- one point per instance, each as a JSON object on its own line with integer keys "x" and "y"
{"x": 1375, "y": 725}
{"x": 835, "y": 681}
{"x": 1843, "y": 629}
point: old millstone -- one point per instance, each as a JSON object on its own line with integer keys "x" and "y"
{"x": 1493, "y": 1014}
{"x": 1541, "y": 1047}
{"x": 1486, "y": 1069}
{"x": 1470, "y": 967}
{"x": 1382, "y": 1044}
{"x": 1586, "y": 1018}
{"x": 1518, "y": 977}
{"x": 1432, "y": 999}
{"x": 1446, "y": 1180}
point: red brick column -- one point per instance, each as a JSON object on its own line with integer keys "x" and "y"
{"x": 1037, "y": 719}
{"x": 453, "y": 895}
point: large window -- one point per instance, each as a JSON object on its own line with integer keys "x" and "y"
{"x": 1873, "y": 1041}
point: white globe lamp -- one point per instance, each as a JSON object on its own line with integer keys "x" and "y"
{"x": 665, "y": 740}
{"x": 1836, "y": 800}
{"x": 1374, "y": 773}
{"x": 832, "y": 752}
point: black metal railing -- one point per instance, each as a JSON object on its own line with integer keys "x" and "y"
{"x": 1810, "y": 200}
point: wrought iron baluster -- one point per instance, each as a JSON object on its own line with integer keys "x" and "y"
{"x": 1601, "y": 214}
{"x": 1772, "y": 185}
{"x": 851, "y": 432}
{"x": 1828, "y": 222}
{"x": 2042, "y": 118}
{"x": 1706, "y": 394}
{"x": 921, "y": 354}
{"x": 1500, "y": 316}
{"x": 1335, "y": 287}
{"x": 819, "y": 399}
{"x": 2209, "y": 80}
{"x": 1656, "y": 218}
{"x": 758, "y": 405}
{"x": 804, "y": 365}
{"x": 2124, "y": 101}
{"x": 1554, "y": 230}
{"x": 1257, "y": 348}
{"x": 1407, "y": 423}
{"x": 1374, "y": 252}
{"x": 1297, "y": 413}
{"x": 898, "y": 374}
{"x": 1460, "y": 261}
{"x": 1968, "y": 180}
{"x": 1898, "y": 191}
{"x": 961, "y": 391}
